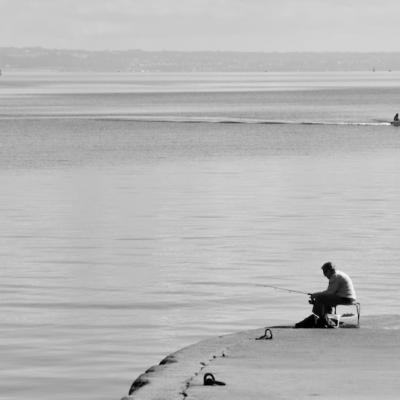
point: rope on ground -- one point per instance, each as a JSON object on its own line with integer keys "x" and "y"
{"x": 267, "y": 335}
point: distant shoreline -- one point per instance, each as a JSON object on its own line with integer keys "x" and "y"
{"x": 40, "y": 71}
{"x": 38, "y": 58}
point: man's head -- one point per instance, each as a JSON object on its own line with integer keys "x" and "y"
{"x": 328, "y": 269}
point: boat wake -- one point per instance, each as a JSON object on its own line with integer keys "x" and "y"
{"x": 243, "y": 121}
{"x": 189, "y": 119}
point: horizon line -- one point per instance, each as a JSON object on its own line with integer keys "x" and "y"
{"x": 204, "y": 51}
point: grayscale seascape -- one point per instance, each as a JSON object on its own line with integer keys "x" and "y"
{"x": 142, "y": 212}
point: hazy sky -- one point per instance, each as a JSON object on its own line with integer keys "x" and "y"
{"x": 243, "y": 25}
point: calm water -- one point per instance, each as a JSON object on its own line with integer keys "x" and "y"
{"x": 141, "y": 213}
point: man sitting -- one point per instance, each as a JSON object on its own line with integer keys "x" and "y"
{"x": 340, "y": 291}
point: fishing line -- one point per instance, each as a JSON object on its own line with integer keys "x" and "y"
{"x": 285, "y": 289}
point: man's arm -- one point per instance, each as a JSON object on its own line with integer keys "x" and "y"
{"x": 332, "y": 288}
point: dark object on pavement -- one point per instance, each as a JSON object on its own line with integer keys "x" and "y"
{"x": 313, "y": 321}
{"x": 209, "y": 380}
{"x": 267, "y": 335}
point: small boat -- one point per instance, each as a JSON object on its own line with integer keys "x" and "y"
{"x": 395, "y": 123}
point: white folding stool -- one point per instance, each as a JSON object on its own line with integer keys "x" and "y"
{"x": 337, "y": 317}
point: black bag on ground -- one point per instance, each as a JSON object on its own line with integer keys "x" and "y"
{"x": 312, "y": 321}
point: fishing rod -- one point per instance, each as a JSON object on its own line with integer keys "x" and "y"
{"x": 286, "y": 290}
